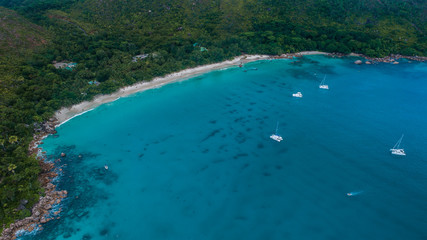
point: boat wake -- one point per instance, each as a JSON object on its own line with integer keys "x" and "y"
{"x": 351, "y": 194}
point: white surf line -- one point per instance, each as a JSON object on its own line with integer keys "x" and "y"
{"x": 75, "y": 116}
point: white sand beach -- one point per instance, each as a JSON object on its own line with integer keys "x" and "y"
{"x": 65, "y": 114}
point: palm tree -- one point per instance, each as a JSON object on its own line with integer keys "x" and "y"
{"x": 11, "y": 168}
{"x": 13, "y": 139}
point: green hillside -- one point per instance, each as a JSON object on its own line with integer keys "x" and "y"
{"x": 18, "y": 33}
{"x": 102, "y": 37}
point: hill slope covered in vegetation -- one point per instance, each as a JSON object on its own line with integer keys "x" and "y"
{"x": 18, "y": 33}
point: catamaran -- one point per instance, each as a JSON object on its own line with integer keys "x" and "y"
{"x": 298, "y": 94}
{"x": 322, "y": 84}
{"x": 396, "y": 150}
{"x": 275, "y": 136}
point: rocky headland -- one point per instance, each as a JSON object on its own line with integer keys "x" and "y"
{"x": 42, "y": 210}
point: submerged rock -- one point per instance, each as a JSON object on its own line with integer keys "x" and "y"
{"x": 358, "y": 62}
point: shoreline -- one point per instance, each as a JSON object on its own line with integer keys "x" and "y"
{"x": 41, "y": 210}
{"x": 66, "y": 113}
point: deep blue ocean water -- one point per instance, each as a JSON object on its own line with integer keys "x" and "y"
{"x": 193, "y": 159}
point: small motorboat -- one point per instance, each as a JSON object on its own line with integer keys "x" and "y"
{"x": 351, "y": 194}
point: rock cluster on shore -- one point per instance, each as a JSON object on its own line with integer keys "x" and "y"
{"x": 41, "y": 211}
{"x": 41, "y": 214}
{"x": 392, "y": 58}
{"x": 389, "y": 59}
{"x": 42, "y": 130}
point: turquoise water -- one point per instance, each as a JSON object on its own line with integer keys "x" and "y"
{"x": 193, "y": 159}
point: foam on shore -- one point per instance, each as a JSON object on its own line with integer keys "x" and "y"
{"x": 65, "y": 114}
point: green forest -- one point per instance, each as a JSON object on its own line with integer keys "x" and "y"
{"x": 102, "y": 37}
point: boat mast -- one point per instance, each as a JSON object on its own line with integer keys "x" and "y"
{"x": 397, "y": 145}
{"x": 323, "y": 81}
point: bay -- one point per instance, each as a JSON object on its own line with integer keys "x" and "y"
{"x": 193, "y": 159}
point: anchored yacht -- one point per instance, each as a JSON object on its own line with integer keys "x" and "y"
{"x": 275, "y": 136}
{"x": 298, "y": 94}
{"x": 322, "y": 84}
{"x": 396, "y": 150}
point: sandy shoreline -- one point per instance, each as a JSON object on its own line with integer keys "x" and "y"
{"x": 41, "y": 211}
{"x": 65, "y": 114}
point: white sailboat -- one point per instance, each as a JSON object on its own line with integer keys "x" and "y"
{"x": 322, "y": 84}
{"x": 396, "y": 150}
{"x": 275, "y": 136}
{"x": 298, "y": 94}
